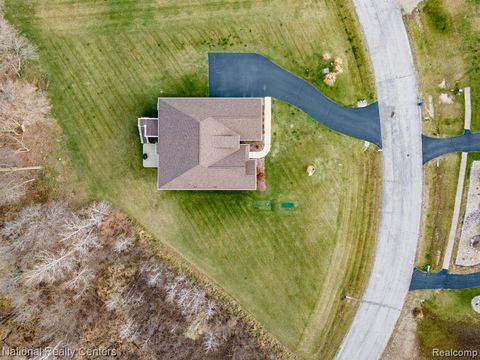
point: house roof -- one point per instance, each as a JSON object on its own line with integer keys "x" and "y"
{"x": 199, "y": 142}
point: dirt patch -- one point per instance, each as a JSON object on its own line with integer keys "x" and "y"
{"x": 403, "y": 344}
{"x": 445, "y": 99}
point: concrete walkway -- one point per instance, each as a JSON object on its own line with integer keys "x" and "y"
{"x": 443, "y": 280}
{"x": 456, "y": 211}
{"x": 468, "y": 108}
{"x": 253, "y": 75}
{"x": 389, "y": 281}
{"x": 460, "y": 184}
{"x": 267, "y": 132}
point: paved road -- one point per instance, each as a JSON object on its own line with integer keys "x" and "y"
{"x": 389, "y": 281}
{"x": 434, "y": 147}
{"x": 443, "y": 280}
{"x": 252, "y": 75}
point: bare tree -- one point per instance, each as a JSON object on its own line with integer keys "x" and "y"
{"x": 123, "y": 243}
{"x": 210, "y": 341}
{"x": 81, "y": 282}
{"x": 35, "y": 229}
{"x": 80, "y": 229}
{"x": 21, "y": 106}
{"x": 127, "y": 331}
{"x": 50, "y": 268}
{"x": 78, "y": 239}
{"x": 115, "y": 301}
{"x": 15, "y": 49}
{"x": 154, "y": 274}
{"x": 211, "y": 307}
{"x": 13, "y": 185}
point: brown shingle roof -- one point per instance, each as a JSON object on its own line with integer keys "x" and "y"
{"x": 199, "y": 142}
{"x": 178, "y": 144}
{"x": 241, "y": 115}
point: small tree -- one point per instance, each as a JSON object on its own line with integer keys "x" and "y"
{"x": 127, "y": 331}
{"x": 50, "y": 268}
{"x": 80, "y": 282}
{"x": 123, "y": 243}
{"x": 210, "y": 341}
{"x": 211, "y": 309}
{"x": 15, "y": 49}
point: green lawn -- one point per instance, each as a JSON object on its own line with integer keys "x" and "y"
{"x": 107, "y": 61}
{"x": 448, "y": 321}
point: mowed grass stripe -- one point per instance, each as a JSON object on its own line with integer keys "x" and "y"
{"x": 99, "y": 98}
{"x": 351, "y": 257}
{"x": 85, "y": 100}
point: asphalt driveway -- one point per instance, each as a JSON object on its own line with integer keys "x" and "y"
{"x": 443, "y": 280}
{"x": 253, "y": 75}
{"x": 434, "y": 147}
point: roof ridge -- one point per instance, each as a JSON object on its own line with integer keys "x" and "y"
{"x": 208, "y": 152}
{"x": 244, "y": 149}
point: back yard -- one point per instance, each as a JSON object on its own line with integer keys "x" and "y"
{"x": 106, "y": 62}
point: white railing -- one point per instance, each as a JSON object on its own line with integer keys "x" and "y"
{"x": 267, "y": 136}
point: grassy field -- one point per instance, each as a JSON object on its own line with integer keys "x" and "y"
{"x": 107, "y": 62}
{"x": 445, "y": 36}
{"x": 447, "y": 321}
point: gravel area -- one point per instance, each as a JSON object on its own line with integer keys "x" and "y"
{"x": 468, "y": 254}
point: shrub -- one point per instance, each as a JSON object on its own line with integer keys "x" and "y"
{"x": 436, "y": 15}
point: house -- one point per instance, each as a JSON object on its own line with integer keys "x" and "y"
{"x": 206, "y": 143}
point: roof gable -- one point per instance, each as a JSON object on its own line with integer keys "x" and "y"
{"x": 178, "y": 143}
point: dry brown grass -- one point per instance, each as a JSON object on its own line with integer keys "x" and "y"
{"x": 441, "y": 175}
